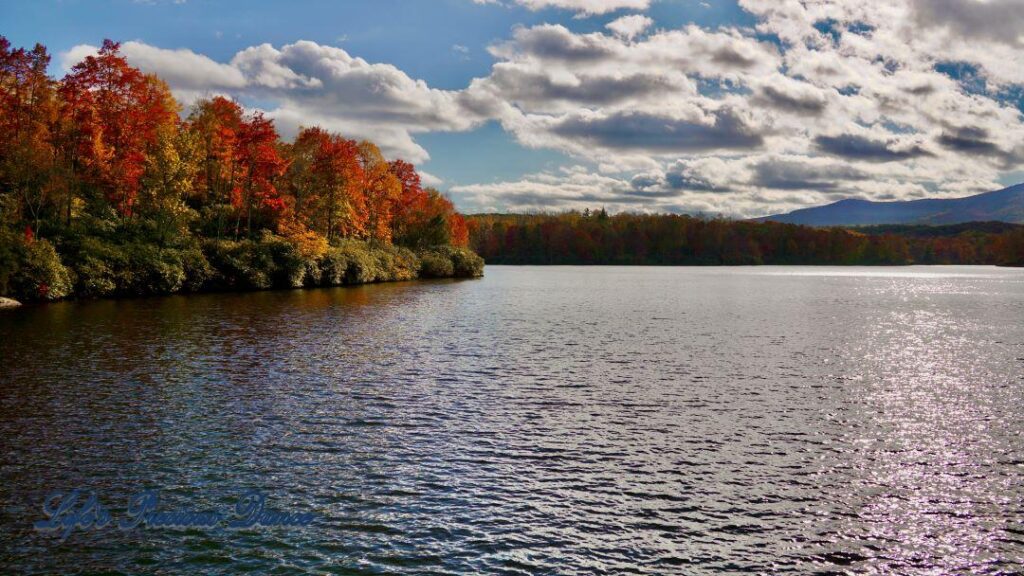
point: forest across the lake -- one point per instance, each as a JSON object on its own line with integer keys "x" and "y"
{"x": 595, "y": 237}
{"x": 106, "y": 189}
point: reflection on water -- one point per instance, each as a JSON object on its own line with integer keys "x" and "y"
{"x": 618, "y": 420}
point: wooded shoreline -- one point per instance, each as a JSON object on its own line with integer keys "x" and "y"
{"x": 595, "y": 237}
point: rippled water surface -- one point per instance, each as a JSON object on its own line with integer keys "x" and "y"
{"x": 540, "y": 420}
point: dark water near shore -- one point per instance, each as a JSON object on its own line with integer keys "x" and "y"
{"x": 540, "y": 420}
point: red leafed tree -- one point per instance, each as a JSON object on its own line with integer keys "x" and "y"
{"x": 424, "y": 217}
{"x": 325, "y": 181}
{"x": 25, "y": 92}
{"x": 381, "y": 189}
{"x": 217, "y": 121}
{"x": 260, "y": 164}
{"x": 459, "y": 230}
{"x": 114, "y": 113}
{"x": 413, "y": 195}
{"x": 28, "y": 168}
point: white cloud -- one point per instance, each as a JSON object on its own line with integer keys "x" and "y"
{"x": 631, "y": 26}
{"x": 734, "y": 186}
{"x": 76, "y": 54}
{"x": 1001, "y": 20}
{"x": 428, "y": 179}
{"x": 581, "y": 7}
{"x": 856, "y": 111}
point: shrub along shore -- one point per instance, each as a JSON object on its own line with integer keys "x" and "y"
{"x": 100, "y": 269}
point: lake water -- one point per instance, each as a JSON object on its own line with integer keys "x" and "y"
{"x": 539, "y": 420}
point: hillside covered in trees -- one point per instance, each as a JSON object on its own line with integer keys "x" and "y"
{"x": 106, "y": 189}
{"x": 598, "y": 238}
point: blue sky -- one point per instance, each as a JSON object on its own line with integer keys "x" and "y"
{"x": 634, "y": 124}
{"x": 418, "y": 36}
{"x": 415, "y": 35}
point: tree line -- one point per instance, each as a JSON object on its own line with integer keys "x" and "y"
{"x": 595, "y": 237}
{"x": 105, "y": 189}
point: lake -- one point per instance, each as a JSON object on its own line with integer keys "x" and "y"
{"x": 539, "y": 420}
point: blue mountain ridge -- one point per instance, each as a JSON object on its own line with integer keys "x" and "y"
{"x": 1006, "y": 205}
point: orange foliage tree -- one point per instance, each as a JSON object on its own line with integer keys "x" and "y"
{"x": 113, "y": 113}
{"x": 382, "y": 190}
{"x": 28, "y": 100}
{"x": 325, "y": 182}
{"x": 423, "y": 216}
{"x": 259, "y": 164}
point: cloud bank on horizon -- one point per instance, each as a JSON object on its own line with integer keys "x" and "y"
{"x": 819, "y": 100}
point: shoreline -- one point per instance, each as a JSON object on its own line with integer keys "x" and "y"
{"x": 772, "y": 265}
{"x": 138, "y": 270}
{"x": 6, "y": 306}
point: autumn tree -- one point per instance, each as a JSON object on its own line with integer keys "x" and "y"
{"x": 260, "y": 164}
{"x": 216, "y": 123}
{"x": 382, "y": 190}
{"x": 113, "y": 114}
{"x": 409, "y": 205}
{"x": 325, "y": 178}
{"x": 30, "y": 176}
{"x": 241, "y": 163}
{"x": 138, "y": 201}
{"x": 168, "y": 180}
{"x": 423, "y": 217}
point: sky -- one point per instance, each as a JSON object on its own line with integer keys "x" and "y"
{"x": 740, "y": 107}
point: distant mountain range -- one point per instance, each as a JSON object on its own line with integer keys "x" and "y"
{"x": 1005, "y": 205}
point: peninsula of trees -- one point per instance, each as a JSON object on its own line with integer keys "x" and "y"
{"x": 106, "y": 190}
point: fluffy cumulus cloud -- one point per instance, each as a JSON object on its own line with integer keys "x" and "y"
{"x": 630, "y": 26}
{"x": 581, "y": 7}
{"x": 820, "y": 100}
{"x": 658, "y": 133}
{"x": 898, "y": 99}
{"x": 1001, "y": 20}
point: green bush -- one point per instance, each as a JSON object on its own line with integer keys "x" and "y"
{"x": 37, "y": 272}
{"x": 238, "y": 264}
{"x": 333, "y": 267}
{"x": 434, "y": 265}
{"x": 197, "y": 270}
{"x": 289, "y": 267}
{"x": 466, "y": 262}
{"x": 134, "y": 266}
{"x": 361, "y": 263}
{"x": 268, "y": 262}
{"x": 463, "y": 263}
{"x": 138, "y": 268}
{"x": 395, "y": 263}
{"x": 152, "y": 270}
{"x": 100, "y": 267}
{"x": 313, "y": 275}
